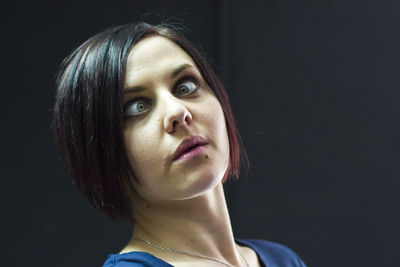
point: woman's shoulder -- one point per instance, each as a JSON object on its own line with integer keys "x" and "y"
{"x": 134, "y": 259}
{"x": 273, "y": 254}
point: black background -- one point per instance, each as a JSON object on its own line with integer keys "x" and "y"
{"x": 314, "y": 87}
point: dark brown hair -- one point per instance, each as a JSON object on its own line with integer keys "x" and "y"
{"x": 88, "y": 115}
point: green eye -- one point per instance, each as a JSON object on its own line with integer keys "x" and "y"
{"x": 187, "y": 88}
{"x": 135, "y": 108}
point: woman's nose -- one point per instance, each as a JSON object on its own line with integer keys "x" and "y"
{"x": 176, "y": 115}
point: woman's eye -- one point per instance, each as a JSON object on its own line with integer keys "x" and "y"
{"x": 186, "y": 88}
{"x": 136, "y": 108}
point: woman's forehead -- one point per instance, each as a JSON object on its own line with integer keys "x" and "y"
{"x": 154, "y": 55}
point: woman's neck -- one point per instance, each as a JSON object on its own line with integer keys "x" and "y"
{"x": 200, "y": 225}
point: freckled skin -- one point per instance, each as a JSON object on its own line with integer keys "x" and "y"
{"x": 152, "y": 138}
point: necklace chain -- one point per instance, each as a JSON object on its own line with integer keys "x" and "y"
{"x": 177, "y": 251}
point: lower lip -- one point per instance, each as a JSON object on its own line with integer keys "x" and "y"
{"x": 191, "y": 153}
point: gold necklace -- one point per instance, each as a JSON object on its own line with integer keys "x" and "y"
{"x": 177, "y": 251}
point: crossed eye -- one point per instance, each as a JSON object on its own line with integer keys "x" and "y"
{"x": 186, "y": 88}
{"x": 136, "y": 108}
{"x": 140, "y": 105}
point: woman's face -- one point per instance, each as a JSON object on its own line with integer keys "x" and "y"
{"x": 174, "y": 130}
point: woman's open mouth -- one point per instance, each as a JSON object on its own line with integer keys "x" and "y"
{"x": 190, "y": 148}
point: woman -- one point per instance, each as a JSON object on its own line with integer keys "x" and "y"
{"x": 146, "y": 130}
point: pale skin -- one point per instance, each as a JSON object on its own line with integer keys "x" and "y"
{"x": 179, "y": 204}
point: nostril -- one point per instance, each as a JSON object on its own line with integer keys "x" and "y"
{"x": 181, "y": 118}
{"x": 187, "y": 120}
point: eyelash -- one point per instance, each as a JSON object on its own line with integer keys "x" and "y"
{"x": 175, "y": 88}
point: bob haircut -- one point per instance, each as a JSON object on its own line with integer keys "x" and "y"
{"x": 88, "y": 114}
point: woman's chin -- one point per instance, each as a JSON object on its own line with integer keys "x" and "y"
{"x": 201, "y": 185}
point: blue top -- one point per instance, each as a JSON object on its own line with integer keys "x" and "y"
{"x": 270, "y": 254}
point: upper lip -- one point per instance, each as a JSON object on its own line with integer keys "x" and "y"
{"x": 187, "y": 144}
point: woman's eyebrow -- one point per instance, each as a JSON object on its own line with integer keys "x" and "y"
{"x": 179, "y": 69}
{"x": 134, "y": 89}
{"x": 175, "y": 73}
